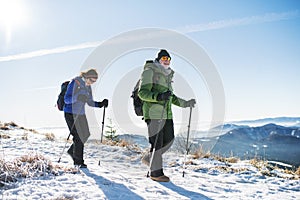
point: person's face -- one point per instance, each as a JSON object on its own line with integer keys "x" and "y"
{"x": 165, "y": 61}
{"x": 90, "y": 81}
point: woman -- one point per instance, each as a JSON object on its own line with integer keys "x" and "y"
{"x": 79, "y": 93}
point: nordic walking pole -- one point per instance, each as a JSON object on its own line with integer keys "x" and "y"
{"x": 102, "y": 128}
{"x": 102, "y": 124}
{"x": 187, "y": 141}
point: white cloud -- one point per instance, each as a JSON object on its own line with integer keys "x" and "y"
{"x": 258, "y": 19}
{"x": 43, "y": 52}
{"x": 268, "y": 17}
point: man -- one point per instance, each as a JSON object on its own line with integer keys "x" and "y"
{"x": 157, "y": 93}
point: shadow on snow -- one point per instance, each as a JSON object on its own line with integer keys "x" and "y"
{"x": 112, "y": 190}
{"x": 183, "y": 192}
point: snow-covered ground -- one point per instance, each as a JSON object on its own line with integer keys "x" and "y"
{"x": 122, "y": 176}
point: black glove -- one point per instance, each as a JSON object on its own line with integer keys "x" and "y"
{"x": 103, "y": 103}
{"x": 83, "y": 98}
{"x": 190, "y": 103}
{"x": 164, "y": 96}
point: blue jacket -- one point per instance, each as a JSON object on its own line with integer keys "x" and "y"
{"x": 76, "y": 87}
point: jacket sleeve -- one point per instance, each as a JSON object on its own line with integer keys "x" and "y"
{"x": 178, "y": 101}
{"x": 90, "y": 100}
{"x": 145, "y": 90}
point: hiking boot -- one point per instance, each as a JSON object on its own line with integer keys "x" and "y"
{"x": 82, "y": 165}
{"x": 146, "y": 159}
{"x": 162, "y": 178}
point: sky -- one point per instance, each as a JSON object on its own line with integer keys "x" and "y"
{"x": 254, "y": 46}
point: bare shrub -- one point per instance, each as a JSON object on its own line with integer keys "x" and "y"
{"x": 180, "y": 144}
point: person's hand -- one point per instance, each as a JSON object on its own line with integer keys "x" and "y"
{"x": 103, "y": 103}
{"x": 190, "y": 103}
{"x": 164, "y": 96}
{"x": 83, "y": 98}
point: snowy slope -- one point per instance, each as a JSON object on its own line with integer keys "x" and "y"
{"x": 122, "y": 176}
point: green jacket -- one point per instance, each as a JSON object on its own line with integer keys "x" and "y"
{"x": 155, "y": 80}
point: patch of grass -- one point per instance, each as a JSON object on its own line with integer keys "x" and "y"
{"x": 200, "y": 153}
{"x": 24, "y": 136}
{"x": 31, "y": 165}
{"x": 297, "y": 171}
{"x": 50, "y": 136}
{"x": 123, "y": 143}
{"x": 64, "y": 198}
{"x": 4, "y": 136}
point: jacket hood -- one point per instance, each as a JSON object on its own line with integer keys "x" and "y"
{"x": 158, "y": 68}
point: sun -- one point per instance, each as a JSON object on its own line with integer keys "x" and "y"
{"x": 12, "y": 16}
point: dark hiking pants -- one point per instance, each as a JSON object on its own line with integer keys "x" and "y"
{"x": 79, "y": 129}
{"x": 165, "y": 138}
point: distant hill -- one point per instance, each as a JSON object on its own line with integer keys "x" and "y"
{"x": 271, "y": 142}
{"x": 284, "y": 121}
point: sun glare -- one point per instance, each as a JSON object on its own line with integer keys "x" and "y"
{"x": 12, "y": 16}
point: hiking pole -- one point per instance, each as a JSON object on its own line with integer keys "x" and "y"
{"x": 102, "y": 128}
{"x": 187, "y": 141}
{"x": 156, "y": 138}
{"x": 102, "y": 124}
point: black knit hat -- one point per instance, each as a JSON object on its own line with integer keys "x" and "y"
{"x": 162, "y": 53}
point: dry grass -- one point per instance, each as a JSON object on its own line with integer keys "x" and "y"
{"x": 200, "y": 153}
{"x": 232, "y": 160}
{"x": 263, "y": 167}
{"x": 24, "y": 136}
{"x": 13, "y": 125}
{"x": 31, "y": 165}
{"x": 4, "y": 136}
{"x": 123, "y": 143}
{"x": 266, "y": 169}
{"x": 64, "y": 198}
{"x": 298, "y": 171}
{"x": 50, "y": 136}
{"x": 8, "y": 126}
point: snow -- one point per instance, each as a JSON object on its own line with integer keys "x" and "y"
{"x": 121, "y": 175}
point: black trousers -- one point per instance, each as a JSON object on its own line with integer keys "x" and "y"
{"x": 79, "y": 129}
{"x": 163, "y": 130}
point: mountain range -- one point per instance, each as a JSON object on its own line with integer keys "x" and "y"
{"x": 268, "y": 142}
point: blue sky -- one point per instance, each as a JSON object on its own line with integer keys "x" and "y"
{"x": 253, "y": 44}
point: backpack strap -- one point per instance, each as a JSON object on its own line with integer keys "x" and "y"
{"x": 77, "y": 83}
